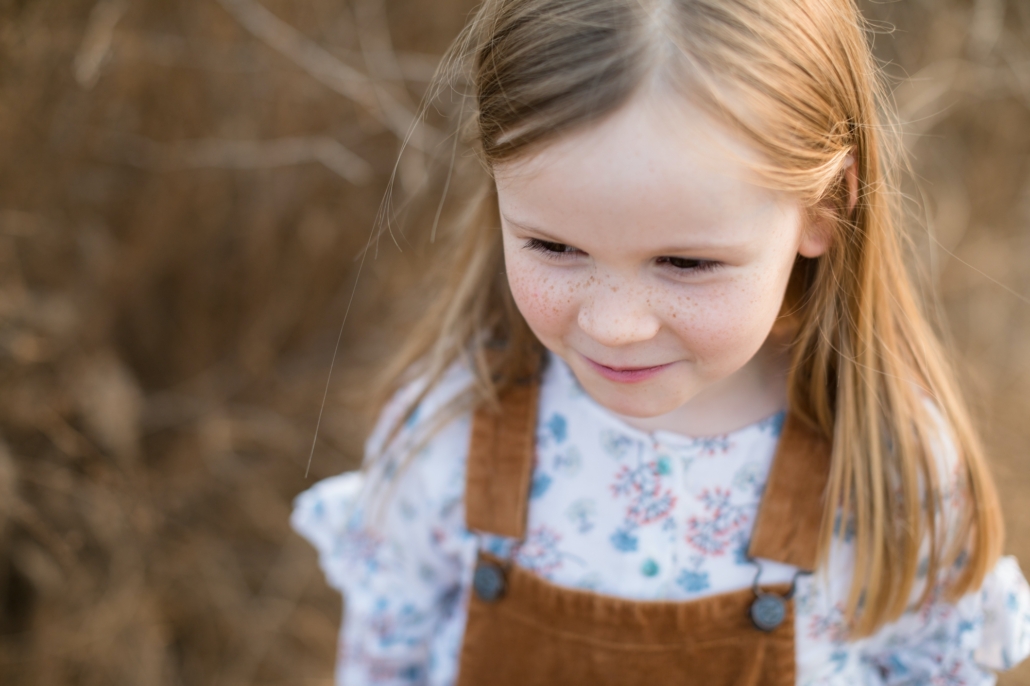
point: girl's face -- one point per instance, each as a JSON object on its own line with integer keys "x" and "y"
{"x": 642, "y": 252}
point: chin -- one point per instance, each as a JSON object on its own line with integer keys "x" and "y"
{"x": 639, "y": 402}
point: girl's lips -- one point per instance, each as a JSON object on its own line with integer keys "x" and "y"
{"x": 626, "y": 374}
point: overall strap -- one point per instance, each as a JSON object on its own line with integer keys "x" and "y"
{"x": 502, "y": 451}
{"x": 791, "y": 513}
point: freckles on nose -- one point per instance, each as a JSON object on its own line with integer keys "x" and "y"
{"x": 617, "y": 323}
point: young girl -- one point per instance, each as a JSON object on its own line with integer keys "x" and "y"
{"x": 675, "y": 416}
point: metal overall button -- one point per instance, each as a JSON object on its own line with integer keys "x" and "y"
{"x": 768, "y": 609}
{"x": 488, "y": 581}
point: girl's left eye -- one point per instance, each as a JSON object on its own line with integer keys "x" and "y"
{"x": 687, "y": 264}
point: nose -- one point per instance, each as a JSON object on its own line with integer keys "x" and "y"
{"x": 617, "y": 316}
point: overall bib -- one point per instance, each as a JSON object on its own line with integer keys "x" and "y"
{"x": 523, "y": 630}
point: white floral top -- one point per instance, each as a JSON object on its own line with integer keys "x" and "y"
{"x": 656, "y": 516}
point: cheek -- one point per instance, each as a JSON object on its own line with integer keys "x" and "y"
{"x": 724, "y": 326}
{"x": 545, "y": 297}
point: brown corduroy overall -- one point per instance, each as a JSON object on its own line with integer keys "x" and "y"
{"x": 525, "y": 630}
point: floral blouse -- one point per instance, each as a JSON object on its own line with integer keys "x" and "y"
{"x": 619, "y": 511}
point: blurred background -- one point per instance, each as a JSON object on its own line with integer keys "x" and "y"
{"x": 185, "y": 188}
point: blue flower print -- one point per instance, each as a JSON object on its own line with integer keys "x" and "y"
{"x": 831, "y": 626}
{"x": 615, "y": 444}
{"x": 557, "y": 426}
{"x": 740, "y": 548}
{"x": 649, "y": 568}
{"x": 412, "y": 673}
{"x": 893, "y": 667}
{"x": 650, "y": 508}
{"x": 749, "y": 478}
{"x": 541, "y": 482}
{"x": 624, "y": 540}
{"x": 583, "y": 514}
{"x": 362, "y": 547}
{"x": 498, "y": 546}
{"x": 713, "y": 445}
{"x": 839, "y": 658}
{"x": 967, "y": 626}
{"x": 395, "y": 625}
{"x": 648, "y": 502}
{"x": 384, "y": 670}
{"x": 568, "y": 463}
{"x": 952, "y": 676}
{"x": 806, "y": 596}
{"x": 722, "y": 525}
{"x": 692, "y": 581}
{"x": 640, "y": 479}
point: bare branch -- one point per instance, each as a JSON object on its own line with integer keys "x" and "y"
{"x": 381, "y": 62}
{"x": 168, "y": 49}
{"x": 987, "y": 24}
{"x": 229, "y": 154}
{"x": 332, "y": 72}
{"x": 96, "y": 41}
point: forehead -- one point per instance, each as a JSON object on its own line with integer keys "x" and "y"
{"x": 657, "y": 168}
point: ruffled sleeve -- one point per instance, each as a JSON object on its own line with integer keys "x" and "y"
{"x": 1005, "y": 601}
{"x": 958, "y": 643}
{"x": 393, "y": 541}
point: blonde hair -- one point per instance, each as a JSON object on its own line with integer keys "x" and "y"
{"x": 797, "y": 80}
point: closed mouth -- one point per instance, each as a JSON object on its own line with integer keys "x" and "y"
{"x": 626, "y": 374}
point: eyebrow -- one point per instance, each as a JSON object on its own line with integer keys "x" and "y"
{"x": 533, "y": 229}
{"x": 664, "y": 250}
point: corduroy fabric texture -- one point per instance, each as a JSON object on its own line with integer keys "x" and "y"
{"x": 791, "y": 513}
{"x": 540, "y": 633}
{"x": 500, "y": 465}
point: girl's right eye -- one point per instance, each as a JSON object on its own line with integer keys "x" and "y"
{"x": 551, "y": 249}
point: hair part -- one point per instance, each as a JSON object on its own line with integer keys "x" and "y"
{"x": 797, "y": 80}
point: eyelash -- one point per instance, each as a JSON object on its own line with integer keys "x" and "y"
{"x": 557, "y": 251}
{"x": 560, "y": 251}
{"x": 697, "y": 266}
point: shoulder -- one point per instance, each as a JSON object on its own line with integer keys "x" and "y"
{"x": 426, "y": 407}
{"x": 415, "y": 456}
{"x": 418, "y": 469}
{"x": 405, "y": 504}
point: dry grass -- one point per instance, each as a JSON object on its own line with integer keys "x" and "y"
{"x": 183, "y": 190}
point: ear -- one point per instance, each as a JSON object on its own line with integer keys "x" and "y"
{"x": 818, "y": 233}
